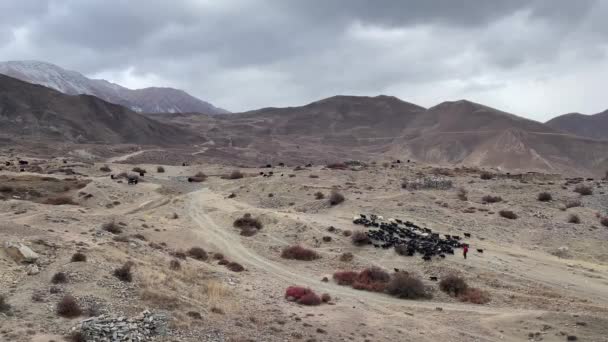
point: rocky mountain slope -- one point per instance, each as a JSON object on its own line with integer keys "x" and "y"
{"x": 40, "y": 113}
{"x": 590, "y": 126}
{"x": 152, "y": 100}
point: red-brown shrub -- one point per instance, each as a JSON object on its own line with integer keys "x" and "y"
{"x": 475, "y": 296}
{"x": 61, "y": 200}
{"x": 296, "y": 292}
{"x": 299, "y": 253}
{"x": 604, "y": 221}
{"x": 345, "y": 277}
{"x": 310, "y": 298}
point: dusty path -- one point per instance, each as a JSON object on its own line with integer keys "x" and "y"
{"x": 127, "y": 156}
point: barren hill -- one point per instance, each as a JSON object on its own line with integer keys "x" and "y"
{"x": 28, "y": 110}
{"x": 151, "y": 100}
{"x": 590, "y": 126}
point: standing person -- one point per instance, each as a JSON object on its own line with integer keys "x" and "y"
{"x": 465, "y": 250}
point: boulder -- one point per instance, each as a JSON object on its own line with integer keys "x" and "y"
{"x": 20, "y": 252}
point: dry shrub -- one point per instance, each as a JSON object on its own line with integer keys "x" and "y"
{"x": 179, "y": 254}
{"x": 236, "y": 174}
{"x": 508, "y": 214}
{"x": 360, "y": 238}
{"x": 345, "y": 277}
{"x": 175, "y": 265}
{"x": 475, "y": 296}
{"x": 462, "y": 194}
{"x": 573, "y": 218}
{"x": 310, "y": 299}
{"x": 347, "y": 257}
{"x": 235, "y": 267}
{"x": 60, "y": 200}
{"x": 313, "y": 176}
{"x": 544, "y": 197}
{"x": 335, "y": 198}
{"x": 79, "y": 257}
{"x": 248, "y": 221}
{"x": 337, "y": 166}
{"x": 401, "y": 249}
{"x": 138, "y": 169}
{"x": 197, "y": 178}
{"x": 112, "y": 227}
{"x": 218, "y": 256}
{"x": 160, "y": 299}
{"x": 325, "y": 298}
{"x": 485, "y": 175}
{"x": 160, "y": 169}
{"x": 319, "y": 195}
{"x": 404, "y": 285}
{"x": 573, "y": 203}
{"x": 197, "y": 253}
{"x": 491, "y": 199}
{"x": 347, "y": 233}
{"x": 59, "y": 278}
{"x": 4, "y": 306}
{"x": 123, "y": 273}
{"x": 105, "y": 168}
{"x": 68, "y": 307}
{"x": 223, "y": 262}
{"x": 583, "y": 190}
{"x": 453, "y": 285}
{"x": 298, "y": 252}
{"x": 604, "y": 221}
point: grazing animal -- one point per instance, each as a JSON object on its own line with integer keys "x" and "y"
{"x": 433, "y": 278}
{"x": 8, "y": 163}
{"x": 479, "y": 250}
{"x": 111, "y": 176}
{"x": 22, "y": 170}
{"x": 396, "y": 270}
{"x": 132, "y": 180}
{"x": 141, "y": 174}
{"x": 467, "y": 235}
{"x": 23, "y": 162}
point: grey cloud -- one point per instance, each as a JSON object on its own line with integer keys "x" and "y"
{"x": 242, "y": 54}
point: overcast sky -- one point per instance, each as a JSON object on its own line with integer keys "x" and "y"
{"x": 535, "y": 58}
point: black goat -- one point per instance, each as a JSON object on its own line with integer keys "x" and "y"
{"x": 433, "y": 278}
{"x": 467, "y": 235}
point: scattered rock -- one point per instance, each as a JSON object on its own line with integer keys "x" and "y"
{"x": 20, "y": 252}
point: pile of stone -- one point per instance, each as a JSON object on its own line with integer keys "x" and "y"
{"x": 438, "y": 183}
{"x": 105, "y": 328}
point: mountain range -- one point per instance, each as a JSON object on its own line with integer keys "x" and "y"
{"x": 41, "y": 114}
{"x": 324, "y": 131}
{"x": 150, "y": 100}
{"x": 591, "y": 126}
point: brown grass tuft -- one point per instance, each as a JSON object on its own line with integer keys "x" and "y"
{"x": 112, "y": 227}
{"x": 61, "y": 200}
{"x": 604, "y": 221}
{"x": 573, "y": 218}
{"x": 105, "y": 168}
{"x": 462, "y": 194}
{"x": 491, "y": 199}
{"x": 485, "y": 175}
{"x": 160, "y": 169}
{"x": 59, "y": 278}
{"x": 235, "y": 267}
{"x": 319, "y": 195}
{"x": 4, "y": 306}
{"x": 347, "y": 257}
{"x": 475, "y": 296}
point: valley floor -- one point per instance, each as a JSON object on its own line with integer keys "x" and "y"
{"x": 535, "y": 295}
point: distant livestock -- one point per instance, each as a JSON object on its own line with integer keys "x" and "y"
{"x": 23, "y": 162}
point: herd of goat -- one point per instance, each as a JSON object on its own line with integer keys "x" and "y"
{"x": 408, "y": 238}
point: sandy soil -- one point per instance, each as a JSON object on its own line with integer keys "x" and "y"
{"x": 535, "y": 295}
